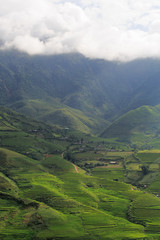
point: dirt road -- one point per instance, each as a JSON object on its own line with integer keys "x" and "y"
{"x": 76, "y": 168}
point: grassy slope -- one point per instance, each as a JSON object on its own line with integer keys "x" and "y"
{"x": 49, "y": 196}
{"x": 151, "y": 159}
{"x": 52, "y": 199}
{"x": 54, "y": 112}
{"x": 27, "y": 136}
{"x": 52, "y": 196}
{"x": 140, "y": 126}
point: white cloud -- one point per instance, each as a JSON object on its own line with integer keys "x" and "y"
{"x": 114, "y": 30}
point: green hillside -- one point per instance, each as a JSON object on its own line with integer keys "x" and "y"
{"x": 52, "y": 199}
{"x": 55, "y": 113}
{"x": 50, "y": 196}
{"x": 30, "y": 137}
{"x": 140, "y": 126}
{"x": 88, "y": 93}
{"x": 38, "y": 86}
{"x": 44, "y": 196}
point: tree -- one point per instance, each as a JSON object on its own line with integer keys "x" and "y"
{"x": 69, "y": 156}
{"x": 145, "y": 169}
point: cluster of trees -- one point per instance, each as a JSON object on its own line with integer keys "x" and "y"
{"x": 69, "y": 156}
{"x": 145, "y": 169}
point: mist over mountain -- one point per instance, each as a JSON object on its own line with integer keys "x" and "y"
{"x": 123, "y": 30}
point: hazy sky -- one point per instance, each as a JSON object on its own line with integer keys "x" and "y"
{"x": 111, "y": 29}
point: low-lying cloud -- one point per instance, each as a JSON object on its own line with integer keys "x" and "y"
{"x": 115, "y": 30}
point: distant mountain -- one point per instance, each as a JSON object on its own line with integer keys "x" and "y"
{"x": 73, "y": 91}
{"x": 148, "y": 93}
{"x": 40, "y": 85}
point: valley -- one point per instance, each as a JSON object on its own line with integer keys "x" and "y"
{"x": 79, "y": 148}
{"x": 61, "y": 184}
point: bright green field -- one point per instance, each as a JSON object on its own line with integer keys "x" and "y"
{"x": 50, "y": 196}
{"x": 50, "y": 199}
{"x": 45, "y": 197}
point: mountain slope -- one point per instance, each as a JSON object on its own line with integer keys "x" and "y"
{"x": 53, "y": 112}
{"x": 47, "y": 201}
{"x": 51, "y": 83}
{"x": 147, "y": 93}
{"x": 138, "y": 126}
{"x": 41, "y": 196}
{"x": 30, "y": 137}
{"x": 101, "y": 90}
{"x": 54, "y": 88}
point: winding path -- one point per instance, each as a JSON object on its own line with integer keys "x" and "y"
{"x": 76, "y": 168}
{"x": 131, "y": 188}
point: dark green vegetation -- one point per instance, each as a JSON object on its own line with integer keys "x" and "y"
{"x": 84, "y": 94}
{"x": 44, "y": 196}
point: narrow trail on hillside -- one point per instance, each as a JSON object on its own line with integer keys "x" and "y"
{"x": 76, "y": 168}
{"x": 131, "y": 188}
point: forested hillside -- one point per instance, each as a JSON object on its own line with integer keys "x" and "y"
{"x": 86, "y": 94}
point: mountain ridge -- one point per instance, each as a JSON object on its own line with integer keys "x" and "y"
{"x": 102, "y": 91}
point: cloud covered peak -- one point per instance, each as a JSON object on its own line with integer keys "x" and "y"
{"x": 115, "y": 30}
